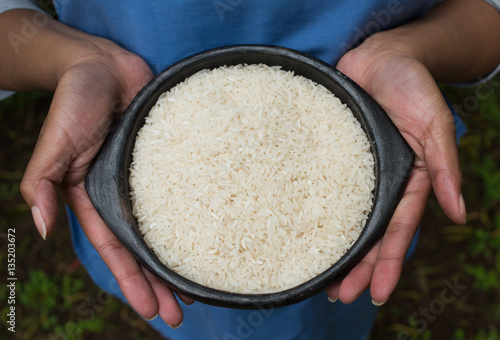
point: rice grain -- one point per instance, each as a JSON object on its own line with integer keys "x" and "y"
{"x": 251, "y": 179}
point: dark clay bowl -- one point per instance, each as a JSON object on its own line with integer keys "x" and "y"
{"x": 108, "y": 186}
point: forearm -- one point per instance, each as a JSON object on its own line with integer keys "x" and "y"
{"x": 457, "y": 40}
{"x": 37, "y": 50}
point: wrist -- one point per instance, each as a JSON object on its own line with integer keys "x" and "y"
{"x": 77, "y": 48}
{"x": 451, "y": 50}
{"x": 39, "y": 63}
{"x": 396, "y": 42}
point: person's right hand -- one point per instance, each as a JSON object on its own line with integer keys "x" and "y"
{"x": 91, "y": 93}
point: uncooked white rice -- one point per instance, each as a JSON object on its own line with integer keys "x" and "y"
{"x": 250, "y": 179}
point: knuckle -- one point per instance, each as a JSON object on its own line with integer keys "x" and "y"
{"x": 114, "y": 252}
{"x": 110, "y": 248}
{"x": 26, "y": 188}
{"x": 394, "y": 259}
{"x": 438, "y": 173}
{"x": 366, "y": 264}
{"x": 401, "y": 228}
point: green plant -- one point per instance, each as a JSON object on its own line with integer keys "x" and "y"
{"x": 489, "y": 172}
{"x": 48, "y": 303}
{"x": 460, "y": 334}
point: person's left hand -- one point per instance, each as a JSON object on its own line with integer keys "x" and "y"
{"x": 402, "y": 85}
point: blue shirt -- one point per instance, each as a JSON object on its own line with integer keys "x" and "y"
{"x": 163, "y": 32}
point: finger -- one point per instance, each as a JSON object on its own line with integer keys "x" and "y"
{"x": 43, "y": 174}
{"x": 41, "y": 196}
{"x": 169, "y": 310}
{"x": 185, "y": 299}
{"x": 398, "y": 236}
{"x": 134, "y": 285}
{"x": 359, "y": 277}
{"x": 333, "y": 291}
{"x": 441, "y": 156}
{"x": 428, "y": 126}
{"x": 182, "y": 297}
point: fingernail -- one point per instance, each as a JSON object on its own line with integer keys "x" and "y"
{"x": 333, "y": 300}
{"x": 154, "y": 317}
{"x": 378, "y": 304}
{"x": 39, "y": 221}
{"x": 175, "y": 327}
{"x": 463, "y": 210}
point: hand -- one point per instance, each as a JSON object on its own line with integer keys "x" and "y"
{"x": 402, "y": 85}
{"x": 90, "y": 95}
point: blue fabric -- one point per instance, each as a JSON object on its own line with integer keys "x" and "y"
{"x": 163, "y": 32}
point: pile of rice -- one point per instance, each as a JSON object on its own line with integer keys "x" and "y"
{"x": 250, "y": 179}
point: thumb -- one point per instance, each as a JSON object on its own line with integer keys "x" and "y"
{"x": 45, "y": 171}
{"x": 442, "y": 160}
{"x": 41, "y": 196}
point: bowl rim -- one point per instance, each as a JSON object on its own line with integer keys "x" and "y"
{"x": 108, "y": 187}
